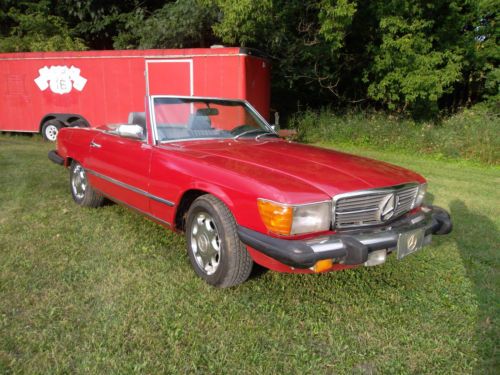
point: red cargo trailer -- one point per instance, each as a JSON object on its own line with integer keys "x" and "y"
{"x": 42, "y": 92}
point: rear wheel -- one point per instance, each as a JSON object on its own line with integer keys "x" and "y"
{"x": 81, "y": 190}
{"x": 50, "y": 129}
{"x": 215, "y": 250}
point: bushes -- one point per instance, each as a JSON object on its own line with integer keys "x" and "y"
{"x": 471, "y": 134}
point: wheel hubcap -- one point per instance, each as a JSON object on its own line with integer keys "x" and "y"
{"x": 51, "y": 132}
{"x": 205, "y": 243}
{"x": 79, "y": 182}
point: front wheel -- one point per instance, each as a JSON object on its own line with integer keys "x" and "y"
{"x": 215, "y": 250}
{"x": 81, "y": 190}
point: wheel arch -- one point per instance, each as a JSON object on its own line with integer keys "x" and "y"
{"x": 66, "y": 118}
{"x": 68, "y": 161}
{"x": 187, "y": 198}
{"x": 190, "y": 195}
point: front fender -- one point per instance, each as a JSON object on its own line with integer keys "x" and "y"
{"x": 242, "y": 205}
{"x": 214, "y": 190}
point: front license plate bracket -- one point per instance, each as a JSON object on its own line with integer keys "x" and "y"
{"x": 409, "y": 242}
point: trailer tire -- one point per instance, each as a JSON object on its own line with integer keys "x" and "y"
{"x": 50, "y": 129}
{"x": 79, "y": 124}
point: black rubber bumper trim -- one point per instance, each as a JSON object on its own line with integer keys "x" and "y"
{"x": 54, "y": 157}
{"x": 351, "y": 247}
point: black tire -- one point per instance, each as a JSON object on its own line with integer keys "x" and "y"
{"x": 234, "y": 262}
{"x": 81, "y": 190}
{"x": 79, "y": 124}
{"x": 50, "y": 129}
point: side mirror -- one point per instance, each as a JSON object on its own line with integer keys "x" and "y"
{"x": 131, "y": 131}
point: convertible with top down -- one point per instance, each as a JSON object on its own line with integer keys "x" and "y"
{"x": 217, "y": 171}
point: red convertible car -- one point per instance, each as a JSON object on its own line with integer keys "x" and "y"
{"x": 217, "y": 171}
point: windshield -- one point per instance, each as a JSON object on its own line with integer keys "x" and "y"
{"x": 199, "y": 118}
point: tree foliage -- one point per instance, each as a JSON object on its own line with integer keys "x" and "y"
{"x": 30, "y": 26}
{"x": 180, "y": 24}
{"x": 415, "y": 56}
{"x": 407, "y": 69}
{"x": 484, "y": 68}
{"x": 402, "y": 54}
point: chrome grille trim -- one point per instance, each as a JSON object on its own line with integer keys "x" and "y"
{"x": 362, "y": 208}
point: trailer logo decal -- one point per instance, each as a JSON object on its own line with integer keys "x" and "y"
{"x": 60, "y": 79}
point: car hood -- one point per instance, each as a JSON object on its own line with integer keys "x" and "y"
{"x": 281, "y": 163}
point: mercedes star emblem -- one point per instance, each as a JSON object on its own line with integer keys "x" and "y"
{"x": 412, "y": 242}
{"x": 387, "y": 207}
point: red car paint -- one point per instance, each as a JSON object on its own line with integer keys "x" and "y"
{"x": 238, "y": 172}
{"x": 102, "y": 87}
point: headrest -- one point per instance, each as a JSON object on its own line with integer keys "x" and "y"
{"x": 137, "y": 118}
{"x": 197, "y": 122}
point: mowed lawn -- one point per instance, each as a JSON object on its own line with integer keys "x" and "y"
{"x": 107, "y": 291}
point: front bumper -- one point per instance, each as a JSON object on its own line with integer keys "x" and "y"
{"x": 347, "y": 247}
{"x": 55, "y": 157}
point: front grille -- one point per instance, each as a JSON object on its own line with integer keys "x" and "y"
{"x": 372, "y": 207}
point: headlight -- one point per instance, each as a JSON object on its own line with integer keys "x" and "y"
{"x": 310, "y": 218}
{"x": 287, "y": 219}
{"x": 422, "y": 190}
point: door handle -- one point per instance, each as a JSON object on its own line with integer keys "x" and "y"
{"x": 95, "y": 145}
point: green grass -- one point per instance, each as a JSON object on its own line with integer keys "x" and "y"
{"x": 472, "y": 134}
{"x": 107, "y": 291}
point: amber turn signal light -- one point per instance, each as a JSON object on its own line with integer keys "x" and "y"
{"x": 276, "y": 217}
{"x": 323, "y": 265}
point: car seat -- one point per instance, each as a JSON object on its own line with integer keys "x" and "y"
{"x": 138, "y": 118}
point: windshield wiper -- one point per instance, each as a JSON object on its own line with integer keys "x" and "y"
{"x": 266, "y": 134}
{"x": 248, "y": 132}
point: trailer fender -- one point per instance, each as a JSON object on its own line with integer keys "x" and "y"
{"x": 67, "y": 119}
{"x": 52, "y": 123}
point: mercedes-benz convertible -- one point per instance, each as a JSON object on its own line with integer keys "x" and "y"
{"x": 215, "y": 170}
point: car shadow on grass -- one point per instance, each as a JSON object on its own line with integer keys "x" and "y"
{"x": 257, "y": 272}
{"x": 473, "y": 233}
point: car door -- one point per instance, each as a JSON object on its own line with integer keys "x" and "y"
{"x": 119, "y": 167}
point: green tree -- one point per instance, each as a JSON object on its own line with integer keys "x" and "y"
{"x": 305, "y": 41}
{"x": 100, "y": 22}
{"x": 179, "y": 24}
{"x": 484, "y": 69}
{"x": 407, "y": 70}
{"x": 406, "y": 55}
{"x": 413, "y": 56}
{"x": 419, "y": 54}
{"x": 30, "y": 26}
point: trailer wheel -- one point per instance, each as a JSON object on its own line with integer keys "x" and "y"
{"x": 50, "y": 129}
